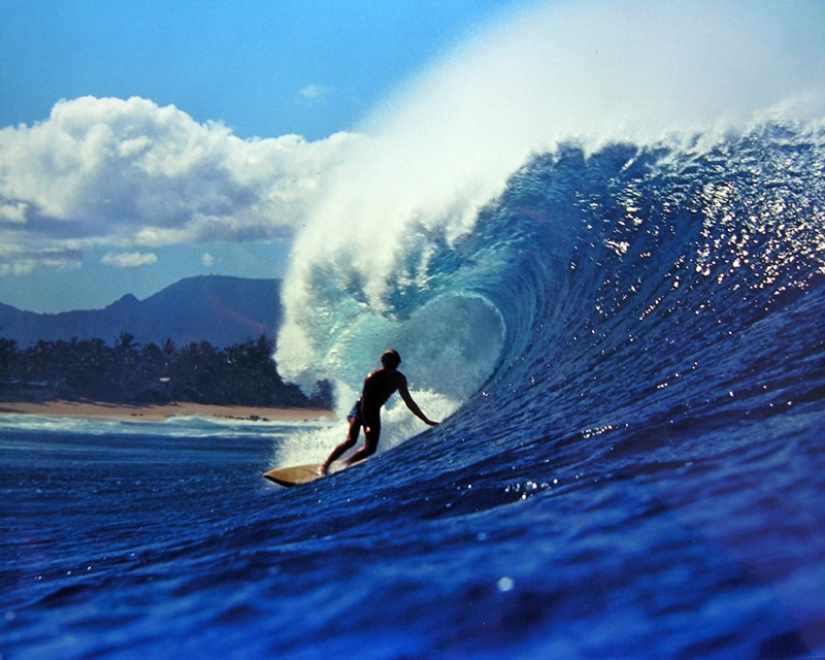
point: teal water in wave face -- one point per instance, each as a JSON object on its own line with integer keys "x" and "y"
{"x": 635, "y": 471}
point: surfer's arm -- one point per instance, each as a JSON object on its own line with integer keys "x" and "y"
{"x": 413, "y": 406}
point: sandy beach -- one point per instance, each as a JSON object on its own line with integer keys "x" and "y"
{"x": 159, "y": 413}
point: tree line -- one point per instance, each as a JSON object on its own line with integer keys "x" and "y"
{"x": 128, "y": 372}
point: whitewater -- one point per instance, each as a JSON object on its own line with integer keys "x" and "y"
{"x": 605, "y": 274}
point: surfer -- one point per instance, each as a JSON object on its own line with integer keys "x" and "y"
{"x": 378, "y": 387}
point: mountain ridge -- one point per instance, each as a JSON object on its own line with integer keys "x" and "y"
{"x": 219, "y": 309}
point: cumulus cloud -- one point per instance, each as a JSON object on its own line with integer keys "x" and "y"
{"x": 127, "y": 173}
{"x": 130, "y": 259}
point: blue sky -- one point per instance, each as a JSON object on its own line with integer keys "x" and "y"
{"x": 261, "y": 69}
{"x": 144, "y": 142}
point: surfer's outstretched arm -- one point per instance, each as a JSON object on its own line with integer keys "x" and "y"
{"x": 413, "y": 406}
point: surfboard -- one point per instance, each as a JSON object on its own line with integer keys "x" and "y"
{"x": 301, "y": 474}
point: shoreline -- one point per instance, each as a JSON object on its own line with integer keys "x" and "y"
{"x": 160, "y": 413}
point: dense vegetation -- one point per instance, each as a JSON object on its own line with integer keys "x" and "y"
{"x": 126, "y": 372}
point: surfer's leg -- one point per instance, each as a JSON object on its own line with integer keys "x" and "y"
{"x": 340, "y": 450}
{"x": 371, "y": 435}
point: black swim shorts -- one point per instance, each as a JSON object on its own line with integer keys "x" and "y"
{"x": 355, "y": 413}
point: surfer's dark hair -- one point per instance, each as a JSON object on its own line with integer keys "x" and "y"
{"x": 390, "y": 358}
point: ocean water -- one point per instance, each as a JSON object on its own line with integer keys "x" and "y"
{"x": 628, "y": 352}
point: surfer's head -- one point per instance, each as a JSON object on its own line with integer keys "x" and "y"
{"x": 390, "y": 359}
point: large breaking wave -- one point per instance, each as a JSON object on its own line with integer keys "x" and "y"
{"x": 601, "y": 158}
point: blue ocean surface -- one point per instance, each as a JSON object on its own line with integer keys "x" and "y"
{"x": 629, "y": 352}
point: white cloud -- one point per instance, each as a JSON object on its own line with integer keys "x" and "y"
{"x": 13, "y": 212}
{"x": 130, "y": 259}
{"x": 125, "y": 173}
{"x": 314, "y": 92}
{"x": 208, "y": 260}
{"x": 20, "y": 267}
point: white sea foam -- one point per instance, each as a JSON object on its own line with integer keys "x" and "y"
{"x": 188, "y": 427}
{"x": 313, "y": 445}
